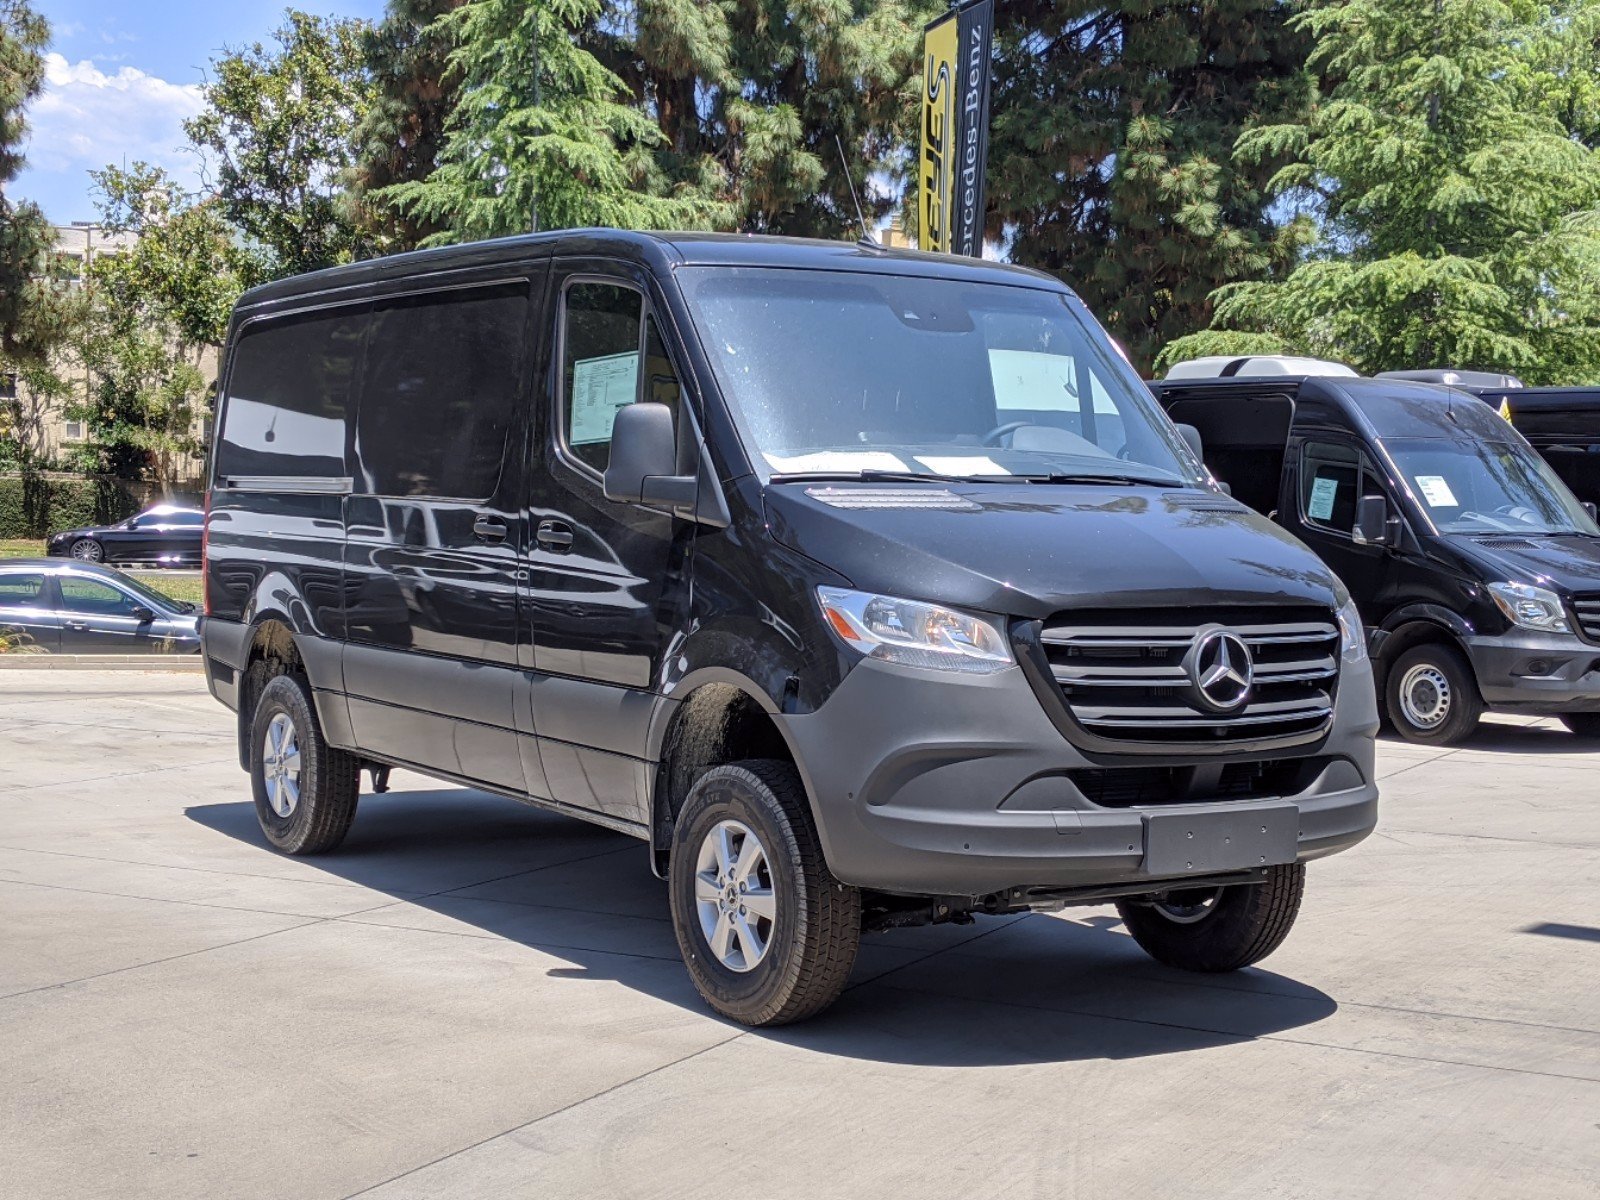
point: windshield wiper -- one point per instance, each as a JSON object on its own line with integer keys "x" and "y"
{"x": 1096, "y": 477}
{"x": 878, "y": 475}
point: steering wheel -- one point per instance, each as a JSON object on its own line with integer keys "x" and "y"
{"x": 992, "y": 438}
{"x": 1517, "y": 512}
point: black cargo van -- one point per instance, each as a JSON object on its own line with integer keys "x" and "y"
{"x": 866, "y": 588}
{"x": 1476, "y": 570}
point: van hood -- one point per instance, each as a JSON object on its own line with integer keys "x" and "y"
{"x": 1569, "y": 561}
{"x": 1029, "y": 550}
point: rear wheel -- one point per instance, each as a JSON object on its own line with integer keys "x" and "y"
{"x": 1431, "y": 695}
{"x": 1217, "y": 929}
{"x": 305, "y": 790}
{"x": 88, "y": 550}
{"x": 1585, "y": 725}
{"x": 768, "y": 934}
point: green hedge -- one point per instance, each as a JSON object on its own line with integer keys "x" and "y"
{"x": 35, "y": 506}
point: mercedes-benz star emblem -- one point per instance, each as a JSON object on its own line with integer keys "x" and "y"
{"x": 1220, "y": 669}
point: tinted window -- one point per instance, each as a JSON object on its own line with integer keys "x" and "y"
{"x": 1328, "y": 486}
{"x": 185, "y": 517}
{"x": 600, "y": 366}
{"x": 444, "y": 372}
{"x": 20, "y": 591}
{"x": 288, "y": 393}
{"x": 81, "y": 595}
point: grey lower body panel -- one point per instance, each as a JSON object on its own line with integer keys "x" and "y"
{"x": 1534, "y": 673}
{"x": 928, "y": 783}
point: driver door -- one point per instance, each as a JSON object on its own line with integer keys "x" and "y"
{"x": 1319, "y": 507}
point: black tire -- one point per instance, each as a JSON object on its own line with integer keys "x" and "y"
{"x": 815, "y": 930}
{"x": 329, "y": 780}
{"x": 1585, "y": 725}
{"x": 87, "y": 550}
{"x": 1218, "y": 929}
{"x": 1438, "y": 672}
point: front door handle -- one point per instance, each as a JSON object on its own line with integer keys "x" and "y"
{"x": 489, "y": 529}
{"x": 77, "y": 626}
{"x": 554, "y": 536}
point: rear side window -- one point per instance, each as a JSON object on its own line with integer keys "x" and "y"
{"x": 443, "y": 377}
{"x": 21, "y": 591}
{"x": 1332, "y": 483}
{"x": 288, "y": 395}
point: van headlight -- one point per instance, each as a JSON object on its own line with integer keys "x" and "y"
{"x": 1352, "y": 638}
{"x": 1531, "y": 607}
{"x": 914, "y": 634}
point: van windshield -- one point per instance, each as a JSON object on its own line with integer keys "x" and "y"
{"x": 1471, "y": 486}
{"x": 843, "y": 374}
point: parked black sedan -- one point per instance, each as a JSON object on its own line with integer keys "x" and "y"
{"x": 162, "y": 533}
{"x": 80, "y": 608}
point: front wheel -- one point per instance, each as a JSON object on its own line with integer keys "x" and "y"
{"x": 768, "y": 934}
{"x": 1431, "y": 695}
{"x": 1585, "y": 725}
{"x": 88, "y": 550}
{"x": 1220, "y": 928}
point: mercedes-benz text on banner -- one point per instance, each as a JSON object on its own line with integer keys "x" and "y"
{"x": 955, "y": 129}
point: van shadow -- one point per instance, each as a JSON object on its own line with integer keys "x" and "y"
{"x": 1511, "y": 737}
{"x": 1002, "y": 991}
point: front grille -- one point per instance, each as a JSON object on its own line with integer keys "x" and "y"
{"x": 1588, "y": 610}
{"x": 1122, "y": 676}
{"x": 1127, "y": 787}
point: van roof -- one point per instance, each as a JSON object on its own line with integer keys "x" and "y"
{"x": 661, "y": 250}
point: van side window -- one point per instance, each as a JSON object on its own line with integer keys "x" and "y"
{"x": 288, "y": 392}
{"x": 444, "y": 371}
{"x": 606, "y": 334}
{"x": 1330, "y": 482}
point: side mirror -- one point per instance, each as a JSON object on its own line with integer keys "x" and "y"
{"x": 1373, "y": 523}
{"x": 131, "y": 523}
{"x": 1593, "y": 511}
{"x": 644, "y": 459}
{"x": 1191, "y": 435}
{"x": 143, "y": 615}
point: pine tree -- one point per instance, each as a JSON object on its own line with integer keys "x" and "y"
{"x": 414, "y": 91}
{"x": 749, "y": 99}
{"x": 542, "y": 134}
{"x": 1451, "y": 171}
{"x": 25, "y": 236}
{"x": 1111, "y": 156}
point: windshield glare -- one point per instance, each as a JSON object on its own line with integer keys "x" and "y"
{"x": 1486, "y": 487}
{"x": 834, "y": 373}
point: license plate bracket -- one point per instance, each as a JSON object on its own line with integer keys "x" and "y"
{"x": 1194, "y": 840}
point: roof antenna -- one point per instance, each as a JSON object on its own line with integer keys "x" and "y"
{"x": 866, "y": 240}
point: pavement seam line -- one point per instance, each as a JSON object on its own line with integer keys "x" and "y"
{"x": 546, "y": 1116}
{"x": 1242, "y": 1037}
{"x": 134, "y": 862}
{"x": 263, "y": 912}
{"x": 188, "y": 766}
{"x": 497, "y": 937}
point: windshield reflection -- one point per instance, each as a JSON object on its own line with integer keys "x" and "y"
{"x": 1470, "y": 486}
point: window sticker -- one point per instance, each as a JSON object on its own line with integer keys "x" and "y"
{"x": 1436, "y": 491}
{"x": 1033, "y": 381}
{"x": 601, "y": 386}
{"x": 1323, "y": 492}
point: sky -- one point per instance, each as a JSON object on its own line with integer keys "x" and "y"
{"x": 121, "y": 77}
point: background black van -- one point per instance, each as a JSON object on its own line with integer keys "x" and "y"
{"x": 1476, "y": 570}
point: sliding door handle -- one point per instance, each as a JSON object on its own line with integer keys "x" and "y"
{"x": 489, "y": 529}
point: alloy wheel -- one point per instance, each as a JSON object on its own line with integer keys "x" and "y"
{"x": 733, "y": 895}
{"x": 280, "y": 765}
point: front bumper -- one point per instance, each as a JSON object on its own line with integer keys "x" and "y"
{"x": 928, "y": 783}
{"x": 1529, "y": 672}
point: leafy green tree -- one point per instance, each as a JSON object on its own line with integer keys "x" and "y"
{"x": 748, "y": 100}
{"x": 154, "y": 312}
{"x": 542, "y": 134}
{"x": 279, "y": 124}
{"x": 1451, "y": 172}
{"x": 26, "y": 299}
{"x": 1111, "y": 159}
{"x": 413, "y": 93}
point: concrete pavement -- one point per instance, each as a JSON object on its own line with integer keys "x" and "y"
{"x": 474, "y": 998}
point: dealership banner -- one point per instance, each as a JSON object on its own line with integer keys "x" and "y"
{"x": 955, "y": 129}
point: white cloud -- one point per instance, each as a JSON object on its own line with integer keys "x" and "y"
{"x": 87, "y": 118}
